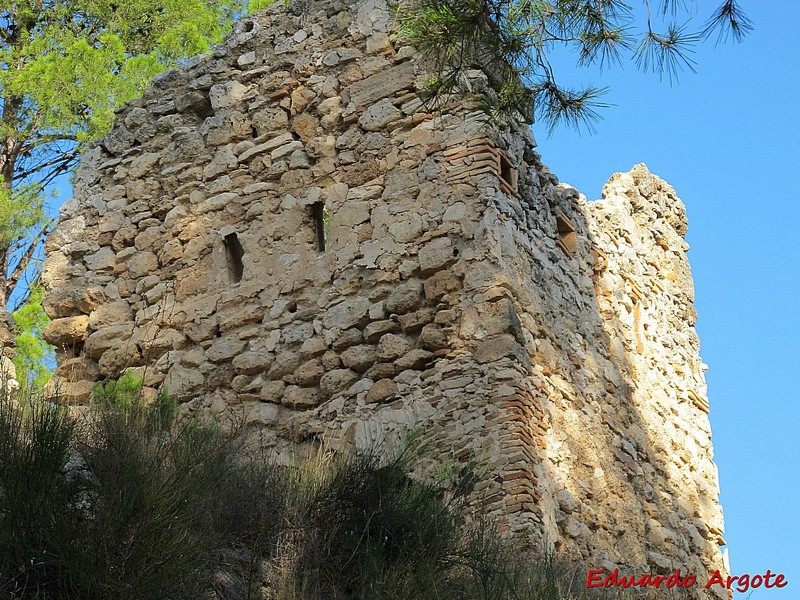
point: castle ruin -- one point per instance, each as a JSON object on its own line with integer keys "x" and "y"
{"x": 282, "y": 229}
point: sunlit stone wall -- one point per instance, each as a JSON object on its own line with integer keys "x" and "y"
{"x": 281, "y": 231}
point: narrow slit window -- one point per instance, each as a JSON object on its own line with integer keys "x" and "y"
{"x": 321, "y": 220}
{"x": 508, "y": 173}
{"x": 235, "y": 255}
{"x": 566, "y": 235}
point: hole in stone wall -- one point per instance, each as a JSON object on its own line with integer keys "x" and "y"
{"x": 248, "y": 26}
{"x": 508, "y": 173}
{"x": 234, "y": 253}
{"x": 566, "y": 235}
{"x": 292, "y": 307}
{"x": 321, "y": 220}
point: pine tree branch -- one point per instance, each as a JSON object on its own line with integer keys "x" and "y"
{"x": 22, "y": 265}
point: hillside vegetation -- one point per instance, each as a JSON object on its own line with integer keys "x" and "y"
{"x": 128, "y": 505}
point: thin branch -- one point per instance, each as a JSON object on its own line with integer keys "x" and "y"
{"x": 22, "y": 265}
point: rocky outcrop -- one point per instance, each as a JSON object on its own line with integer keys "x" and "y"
{"x": 282, "y": 231}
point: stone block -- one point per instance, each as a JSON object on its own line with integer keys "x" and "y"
{"x": 102, "y": 261}
{"x": 413, "y": 322}
{"x": 336, "y": 381}
{"x": 382, "y": 390}
{"x": 435, "y": 255}
{"x": 194, "y": 102}
{"x": 382, "y": 85}
{"x": 346, "y": 314}
{"x": 115, "y": 360}
{"x": 392, "y": 346}
{"x": 77, "y": 369}
{"x": 351, "y": 214}
{"x": 359, "y": 358}
{"x": 433, "y": 338}
{"x": 415, "y": 359}
{"x": 226, "y": 95}
{"x": 376, "y": 329}
{"x": 183, "y": 383}
{"x": 224, "y": 349}
{"x": 110, "y": 313}
{"x": 301, "y": 398}
{"x": 379, "y": 115}
{"x": 67, "y": 331}
{"x": 499, "y": 347}
{"x": 309, "y": 373}
{"x": 405, "y": 298}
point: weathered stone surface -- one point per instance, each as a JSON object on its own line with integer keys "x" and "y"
{"x": 183, "y": 382}
{"x": 379, "y": 115}
{"x": 252, "y": 363}
{"x": 102, "y": 340}
{"x": 360, "y": 358}
{"x": 382, "y": 390}
{"x": 392, "y": 346}
{"x": 224, "y": 349}
{"x": 285, "y": 231}
{"x": 227, "y": 94}
{"x": 497, "y": 348}
{"x": 110, "y": 313}
{"x": 337, "y": 380}
{"x": 194, "y": 102}
{"x": 436, "y": 255}
{"x": 77, "y": 369}
{"x": 102, "y": 261}
{"x": 432, "y": 338}
{"x": 382, "y": 85}
{"x": 309, "y": 373}
{"x": 67, "y": 331}
{"x": 404, "y": 298}
{"x": 301, "y": 398}
{"x": 414, "y": 359}
{"x": 70, "y": 393}
{"x": 346, "y": 314}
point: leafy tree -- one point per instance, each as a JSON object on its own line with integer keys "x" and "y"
{"x": 33, "y": 353}
{"x": 515, "y": 39}
{"x": 65, "y": 66}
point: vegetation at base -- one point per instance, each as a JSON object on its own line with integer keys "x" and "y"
{"x": 514, "y": 40}
{"x": 129, "y": 504}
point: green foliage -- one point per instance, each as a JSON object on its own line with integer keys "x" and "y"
{"x": 130, "y": 505}
{"x": 121, "y": 394}
{"x": 32, "y": 353}
{"x": 65, "y": 66}
{"x": 256, "y": 5}
{"x": 513, "y": 39}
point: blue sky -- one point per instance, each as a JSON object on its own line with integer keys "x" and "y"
{"x": 728, "y": 139}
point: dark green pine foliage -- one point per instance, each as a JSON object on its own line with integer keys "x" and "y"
{"x": 513, "y": 40}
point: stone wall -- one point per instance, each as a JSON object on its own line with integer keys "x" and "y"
{"x": 281, "y": 230}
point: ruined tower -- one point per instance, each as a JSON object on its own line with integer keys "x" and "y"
{"x": 282, "y": 229}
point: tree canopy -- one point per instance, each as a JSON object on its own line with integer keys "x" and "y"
{"x": 515, "y": 39}
{"x": 65, "y": 66}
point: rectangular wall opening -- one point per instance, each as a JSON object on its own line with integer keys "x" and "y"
{"x": 321, "y": 220}
{"x": 235, "y": 255}
{"x": 566, "y": 235}
{"x": 508, "y": 174}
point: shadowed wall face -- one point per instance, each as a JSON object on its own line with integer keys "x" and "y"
{"x": 283, "y": 232}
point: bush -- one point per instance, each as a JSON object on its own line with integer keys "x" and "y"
{"x": 129, "y": 505}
